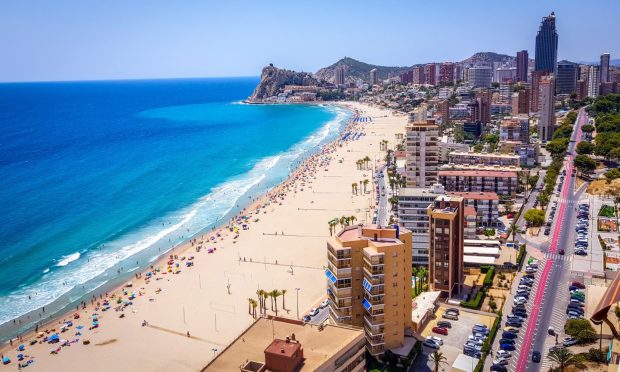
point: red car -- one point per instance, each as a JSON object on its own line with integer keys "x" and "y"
{"x": 561, "y": 252}
{"x": 441, "y": 331}
{"x": 578, "y": 285}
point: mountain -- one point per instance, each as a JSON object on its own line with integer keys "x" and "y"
{"x": 612, "y": 62}
{"x": 272, "y": 79}
{"x": 487, "y": 57}
{"x": 354, "y": 69}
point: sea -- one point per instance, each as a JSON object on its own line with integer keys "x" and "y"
{"x": 98, "y": 179}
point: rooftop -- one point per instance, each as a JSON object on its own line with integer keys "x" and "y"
{"x": 483, "y": 154}
{"x": 319, "y": 346}
{"x": 424, "y": 302}
{"x": 469, "y": 211}
{"x": 478, "y": 260}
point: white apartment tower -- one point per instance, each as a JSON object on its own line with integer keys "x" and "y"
{"x": 546, "y": 108}
{"x": 422, "y": 153}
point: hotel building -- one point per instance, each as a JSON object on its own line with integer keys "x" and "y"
{"x": 422, "y": 153}
{"x": 446, "y": 233}
{"x": 479, "y": 158}
{"x": 546, "y": 108}
{"x": 500, "y": 182}
{"x": 369, "y": 283}
{"x": 486, "y": 205}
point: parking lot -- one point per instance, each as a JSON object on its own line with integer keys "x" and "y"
{"x": 457, "y": 336}
{"x": 593, "y": 261}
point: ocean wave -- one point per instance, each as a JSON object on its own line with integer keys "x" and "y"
{"x": 65, "y": 260}
{"x": 177, "y": 227}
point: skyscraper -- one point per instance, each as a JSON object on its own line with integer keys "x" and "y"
{"x": 373, "y": 76}
{"x": 422, "y": 154}
{"x": 547, "y": 46}
{"x": 546, "y": 108}
{"x": 446, "y": 73}
{"x": 480, "y": 76}
{"x": 446, "y": 220}
{"x": 431, "y": 73}
{"x": 567, "y": 76}
{"x": 604, "y": 68}
{"x": 522, "y": 62}
{"x": 339, "y": 76}
{"x": 418, "y": 75}
{"x": 593, "y": 81}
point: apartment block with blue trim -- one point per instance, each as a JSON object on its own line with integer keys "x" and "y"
{"x": 369, "y": 283}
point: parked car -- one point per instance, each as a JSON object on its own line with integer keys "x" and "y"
{"x": 435, "y": 339}
{"x": 431, "y": 344}
{"x": 441, "y": 331}
{"x": 569, "y": 341}
{"x": 324, "y": 304}
{"x": 509, "y": 347}
{"x": 578, "y": 285}
{"x": 509, "y": 335}
{"x": 450, "y": 316}
{"x": 536, "y": 357}
{"x": 454, "y": 310}
{"x": 307, "y": 318}
{"x": 500, "y": 362}
{"x": 444, "y": 324}
{"x": 498, "y": 368}
{"x": 314, "y": 311}
{"x": 503, "y": 354}
{"x": 507, "y": 341}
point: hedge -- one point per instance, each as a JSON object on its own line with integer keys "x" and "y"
{"x": 488, "y": 279}
{"x": 477, "y": 301}
{"x": 521, "y": 255}
{"x": 488, "y": 342}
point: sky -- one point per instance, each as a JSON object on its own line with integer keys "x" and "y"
{"x": 45, "y": 40}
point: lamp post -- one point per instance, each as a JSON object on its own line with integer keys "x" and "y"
{"x": 297, "y": 290}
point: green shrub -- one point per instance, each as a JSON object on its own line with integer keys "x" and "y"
{"x": 488, "y": 279}
{"x": 476, "y": 302}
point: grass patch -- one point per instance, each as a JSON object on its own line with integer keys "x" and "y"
{"x": 606, "y": 211}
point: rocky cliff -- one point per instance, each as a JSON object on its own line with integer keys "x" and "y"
{"x": 273, "y": 79}
{"x": 354, "y": 69}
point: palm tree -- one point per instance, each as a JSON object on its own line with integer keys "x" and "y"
{"x": 254, "y": 303}
{"x": 265, "y": 295}
{"x": 353, "y": 188}
{"x": 250, "y": 305}
{"x": 352, "y": 219}
{"x": 366, "y": 182}
{"x": 259, "y": 294}
{"x": 423, "y": 275}
{"x": 438, "y": 360}
{"x": 332, "y": 226}
{"x": 366, "y": 160}
{"x": 275, "y": 294}
{"x": 283, "y": 293}
{"x": 564, "y": 358}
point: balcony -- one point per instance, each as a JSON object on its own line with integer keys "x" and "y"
{"x": 375, "y": 349}
{"x": 375, "y": 300}
{"x": 339, "y": 254}
{"x": 373, "y": 270}
{"x": 341, "y": 271}
{"x": 340, "y": 317}
{"x": 374, "y": 280}
{"x": 373, "y": 289}
{"x": 375, "y": 340}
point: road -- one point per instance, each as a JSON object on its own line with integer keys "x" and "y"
{"x": 553, "y": 275}
{"x": 383, "y": 208}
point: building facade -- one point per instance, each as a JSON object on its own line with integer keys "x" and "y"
{"x": 480, "y": 76}
{"x": 515, "y": 129}
{"x": 483, "y": 158}
{"x": 339, "y": 76}
{"x": 593, "y": 81}
{"x": 446, "y": 73}
{"x": 486, "y": 205}
{"x": 521, "y": 101}
{"x": 546, "y": 108}
{"x": 547, "y": 46}
{"x": 604, "y": 73}
{"x": 567, "y": 76}
{"x": 522, "y": 64}
{"x": 373, "y": 76}
{"x": 446, "y": 235}
{"x": 500, "y": 182}
{"x": 369, "y": 281}
{"x": 422, "y": 154}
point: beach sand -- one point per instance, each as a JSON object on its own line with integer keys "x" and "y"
{"x": 210, "y": 299}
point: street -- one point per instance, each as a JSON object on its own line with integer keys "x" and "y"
{"x": 553, "y": 273}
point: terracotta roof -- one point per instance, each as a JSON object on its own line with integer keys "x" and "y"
{"x": 281, "y": 347}
{"x": 469, "y": 211}
{"x": 474, "y": 173}
{"x": 476, "y": 195}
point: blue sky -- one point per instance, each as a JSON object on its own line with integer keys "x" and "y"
{"x": 120, "y": 39}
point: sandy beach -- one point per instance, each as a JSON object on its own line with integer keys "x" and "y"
{"x": 207, "y": 294}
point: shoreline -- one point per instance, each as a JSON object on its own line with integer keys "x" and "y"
{"x": 279, "y": 193}
{"x": 118, "y": 282}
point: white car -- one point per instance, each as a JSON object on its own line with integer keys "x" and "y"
{"x": 314, "y": 311}
{"x": 503, "y": 354}
{"x": 500, "y": 361}
{"x": 324, "y": 304}
{"x": 437, "y": 340}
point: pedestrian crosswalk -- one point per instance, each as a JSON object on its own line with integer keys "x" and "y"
{"x": 558, "y": 257}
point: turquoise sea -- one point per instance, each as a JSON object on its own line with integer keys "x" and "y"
{"x": 97, "y": 177}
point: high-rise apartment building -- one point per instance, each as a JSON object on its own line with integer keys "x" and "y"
{"x": 413, "y": 203}
{"x": 604, "y": 78}
{"x": 593, "y": 81}
{"x": 546, "y": 108}
{"x": 522, "y": 63}
{"x": 406, "y": 77}
{"x": 446, "y": 225}
{"x": 566, "y": 77}
{"x": 535, "y": 91}
{"x": 481, "y": 107}
{"x": 515, "y": 129}
{"x": 369, "y": 283}
{"x": 422, "y": 153}
{"x": 431, "y": 73}
{"x": 418, "y": 75}
{"x": 373, "y": 76}
{"x": 446, "y": 73}
{"x": 547, "y": 46}
{"x": 339, "y": 76}
{"x": 582, "y": 89}
{"x": 480, "y": 76}
{"x": 521, "y": 101}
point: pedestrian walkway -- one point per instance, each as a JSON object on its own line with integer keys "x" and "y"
{"x": 559, "y": 257}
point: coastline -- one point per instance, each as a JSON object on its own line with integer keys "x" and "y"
{"x": 169, "y": 325}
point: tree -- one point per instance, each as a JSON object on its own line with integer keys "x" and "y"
{"x": 532, "y": 181}
{"x": 557, "y": 147}
{"x": 581, "y": 329}
{"x": 587, "y": 128}
{"x": 254, "y": 304}
{"x": 585, "y": 148}
{"x": 438, "y": 360}
{"x": 275, "y": 294}
{"x": 366, "y": 182}
{"x": 489, "y": 232}
{"x": 250, "y": 305}
{"x": 352, "y": 219}
{"x": 283, "y": 304}
{"x": 612, "y": 174}
{"x": 354, "y": 188}
{"x": 535, "y": 217}
{"x": 584, "y": 163}
{"x": 565, "y": 358}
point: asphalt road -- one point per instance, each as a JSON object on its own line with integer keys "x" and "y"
{"x": 383, "y": 209}
{"x": 555, "y": 272}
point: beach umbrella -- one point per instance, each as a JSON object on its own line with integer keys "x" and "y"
{"x": 54, "y": 337}
{"x": 21, "y": 347}
{"x": 6, "y": 360}
{"x": 20, "y": 356}
{"x": 79, "y": 327}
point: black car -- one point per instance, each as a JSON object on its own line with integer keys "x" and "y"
{"x": 514, "y": 323}
{"x": 510, "y": 335}
{"x": 521, "y": 314}
{"x": 507, "y": 341}
{"x": 444, "y": 324}
{"x": 498, "y": 368}
{"x": 536, "y": 357}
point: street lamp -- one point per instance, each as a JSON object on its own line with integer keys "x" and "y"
{"x": 297, "y": 290}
